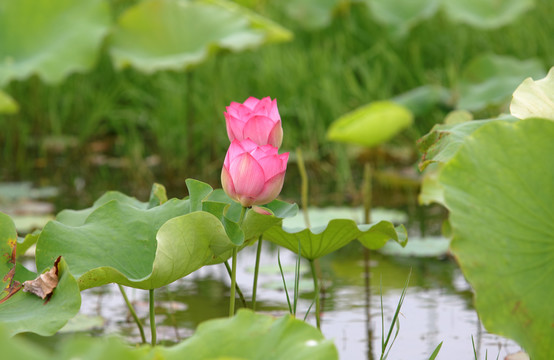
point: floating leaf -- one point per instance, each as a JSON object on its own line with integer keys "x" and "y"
{"x": 249, "y": 335}
{"x": 487, "y": 14}
{"x": 370, "y": 125}
{"x": 7, "y": 104}
{"x": 534, "y": 98}
{"x": 498, "y": 188}
{"x": 25, "y": 312}
{"x": 322, "y": 240}
{"x": 35, "y": 38}
{"x": 433, "y": 246}
{"x": 175, "y": 34}
{"x": 491, "y": 79}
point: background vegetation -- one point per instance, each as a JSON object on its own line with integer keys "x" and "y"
{"x": 125, "y": 129}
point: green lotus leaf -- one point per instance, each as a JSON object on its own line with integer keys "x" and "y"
{"x": 8, "y": 241}
{"x": 7, "y": 104}
{"x": 487, "y": 14}
{"x": 423, "y": 99}
{"x": 248, "y": 335}
{"x": 401, "y": 15}
{"x": 245, "y": 336}
{"x": 370, "y": 125}
{"x": 322, "y": 240}
{"x": 498, "y": 188}
{"x": 444, "y": 140}
{"x": 534, "y": 98}
{"x": 175, "y": 34}
{"x": 20, "y": 349}
{"x": 158, "y": 195}
{"x": 26, "y": 312}
{"x": 311, "y": 14}
{"x": 116, "y": 243}
{"x": 35, "y": 37}
{"x": 491, "y": 79}
{"x": 78, "y": 217}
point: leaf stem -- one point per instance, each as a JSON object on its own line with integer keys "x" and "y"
{"x": 237, "y": 288}
{"x": 316, "y": 290}
{"x": 152, "y": 316}
{"x": 133, "y": 313}
{"x": 234, "y": 271}
{"x": 256, "y": 270}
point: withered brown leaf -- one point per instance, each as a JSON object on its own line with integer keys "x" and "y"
{"x": 44, "y": 284}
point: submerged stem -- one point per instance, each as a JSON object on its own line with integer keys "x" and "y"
{"x": 256, "y": 269}
{"x": 152, "y": 316}
{"x": 316, "y": 290}
{"x": 133, "y": 313}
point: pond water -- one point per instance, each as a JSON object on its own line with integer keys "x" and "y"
{"x": 437, "y": 306}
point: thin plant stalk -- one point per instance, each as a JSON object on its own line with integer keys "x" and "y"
{"x": 284, "y": 281}
{"x": 366, "y": 195}
{"x": 256, "y": 270}
{"x": 133, "y": 313}
{"x": 304, "y": 186}
{"x": 239, "y": 291}
{"x": 234, "y": 271}
{"x": 316, "y": 289}
{"x": 394, "y": 321}
{"x": 297, "y": 278}
{"x": 152, "y": 317}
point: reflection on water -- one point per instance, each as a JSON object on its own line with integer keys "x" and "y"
{"x": 437, "y": 306}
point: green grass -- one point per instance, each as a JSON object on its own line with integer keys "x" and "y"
{"x": 178, "y": 117}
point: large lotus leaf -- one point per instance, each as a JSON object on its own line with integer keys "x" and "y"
{"x": 254, "y": 336}
{"x": 401, "y": 15}
{"x": 311, "y": 14}
{"x": 245, "y": 336}
{"x": 499, "y": 190}
{"x": 8, "y": 241}
{"x": 423, "y": 99}
{"x": 20, "y": 349}
{"x": 78, "y": 217}
{"x": 117, "y": 243}
{"x": 486, "y": 14}
{"x": 444, "y": 140}
{"x": 7, "y": 104}
{"x": 371, "y": 125}
{"x": 322, "y": 240}
{"x": 51, "y": 38}
{"x": 175, "y": 34}
{"x": 26, "y": 312}
{"x": 534, "y": 98}
{"x": 491, "y": 79}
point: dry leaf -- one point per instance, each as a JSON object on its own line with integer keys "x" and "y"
{"x": 44, "y": 284}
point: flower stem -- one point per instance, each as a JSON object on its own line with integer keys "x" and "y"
{"x": 152, "y": 316}
{"x": 234, "y": 271}
{"x": 133, "y": 313}
{"x": 233, "y": 283}
{"x": 256, "y": 269}
{"x": 239, "y": 292}
{"x": 316, "y": 290}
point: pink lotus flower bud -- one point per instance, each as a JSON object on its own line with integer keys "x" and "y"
{"x": 257, "y": 120}
{"x": 253, "y": 174}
